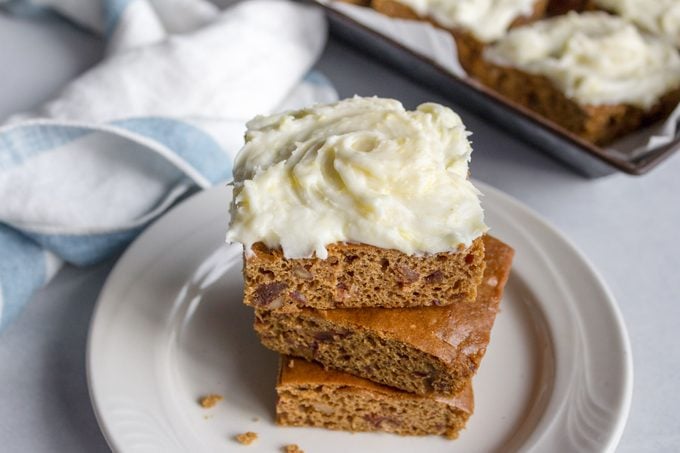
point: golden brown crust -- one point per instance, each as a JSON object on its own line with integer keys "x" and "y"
{"x": 299, "y": 372}
{"x": 424, "y": 350}
{"x": 469, "y": 47}
{"x": 359, "y": 276}
{"x": 598, "y": 124}
{"x": 308, "y": 395}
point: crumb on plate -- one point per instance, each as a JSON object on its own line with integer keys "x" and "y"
{"x": 246, "y": 438}
{"x": 292, "y": 448}
{"x": 209, "y": 401}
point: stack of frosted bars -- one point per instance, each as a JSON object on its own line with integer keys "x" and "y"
{"x": 377, "y": 340}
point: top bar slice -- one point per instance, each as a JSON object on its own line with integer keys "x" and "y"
{"x": 360, "y": 276}
{"x": 357, "y": 204}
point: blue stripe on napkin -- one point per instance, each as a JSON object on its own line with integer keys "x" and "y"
{"x": 22, "y": 271}
{"x": 113, "y": 9}
{"x": 84, "y": 250}
{"x": 190, "y": 143}
{"x": 22, "y": 143}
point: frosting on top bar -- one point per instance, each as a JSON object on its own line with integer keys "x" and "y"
{"x": 362, "y": 170}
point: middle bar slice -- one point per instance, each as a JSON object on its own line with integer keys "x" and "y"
{"x": 422, "y": 350}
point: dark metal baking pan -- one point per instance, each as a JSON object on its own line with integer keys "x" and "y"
{"x": 588, "y": 159}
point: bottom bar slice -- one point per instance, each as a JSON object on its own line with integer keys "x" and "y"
{"x": 308, "y": 395}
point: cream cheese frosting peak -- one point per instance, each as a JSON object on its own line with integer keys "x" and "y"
{"x": 487, "y": 20}
{"x": 594, "y": 58}
{"x": 362, "y": 170}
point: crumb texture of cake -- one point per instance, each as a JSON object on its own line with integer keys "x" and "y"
{"x": 308, "y": 395}
{"x": 660, "y": 17}
{"x": 360, "y": 171}
{"x": 358, "y": 275}
{"x": 424, "y": 350}
{"x": 592, "y": 73}
{"x": 246, "y": 438}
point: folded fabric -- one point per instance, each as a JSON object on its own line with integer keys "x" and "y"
{"x": 159, "y": 117}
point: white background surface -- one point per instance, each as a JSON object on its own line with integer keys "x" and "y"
{"x": 627, "y": 227}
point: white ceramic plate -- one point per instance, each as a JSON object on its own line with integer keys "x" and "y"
{"x": 170, "y": 327}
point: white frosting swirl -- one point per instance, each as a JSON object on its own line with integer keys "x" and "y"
{"x": 487, "y": 20}
{"x": 661, "y": 17}
{"x": 362, "y": 170}
{"x": 594, "y": 58}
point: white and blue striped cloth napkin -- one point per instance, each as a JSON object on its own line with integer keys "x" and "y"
{"x": 161, "y": 115}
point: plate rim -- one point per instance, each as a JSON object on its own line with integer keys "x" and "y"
{"x": 617, "y": 316}
{"x": 627, "y": 379}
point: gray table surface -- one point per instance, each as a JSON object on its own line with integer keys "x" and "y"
{"x": 626, "y": 226}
